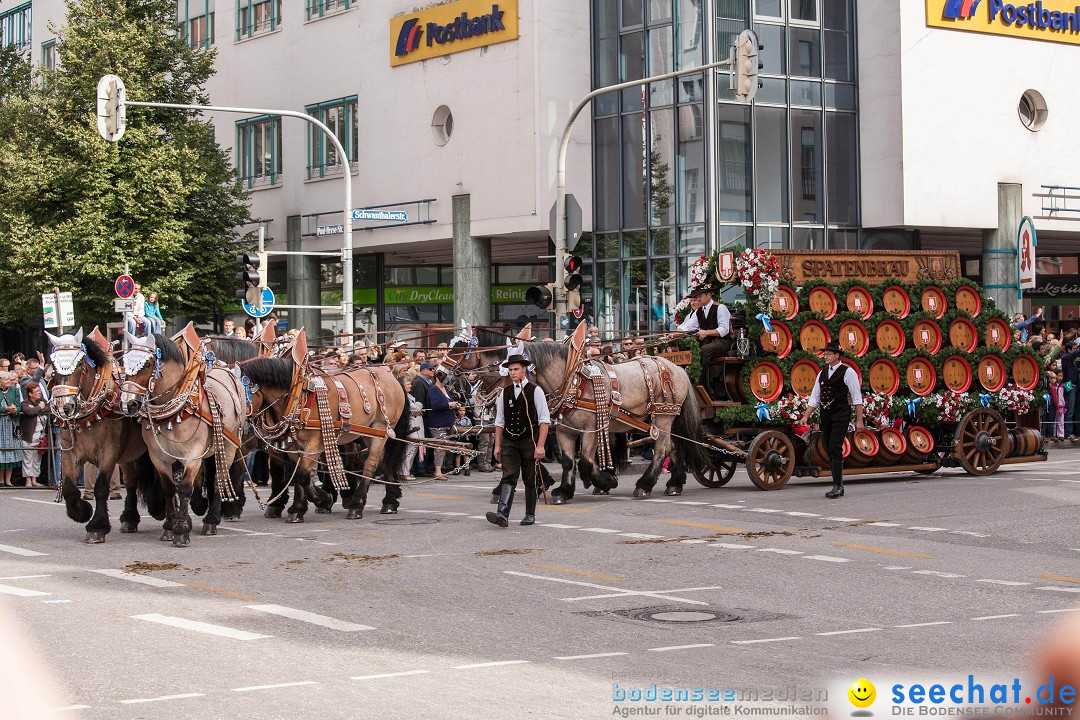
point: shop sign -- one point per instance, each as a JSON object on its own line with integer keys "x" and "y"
{"x": 506, "y": 294}
{"x": 1054, "y": 287}
{"x": 450, "y": 28}
{"x": 872, "y": 266}
{"x": 1051, "y": 20}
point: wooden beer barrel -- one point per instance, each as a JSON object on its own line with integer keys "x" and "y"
{"x": 855, "y": 368}
{"x": 813, "y": 336}
{"x": 860, "y": 301}
{"x": 864, "y": 448}
{"x": 968, "y": 300}
{"x": 896, "y": 301}
{"x": 766, "y": 381}
{"x": 884, "y": 376}
{"x": 854, "y": 338}
{"x": 933, "y": 301}
{"x": 1025, "y": 371}
{"x": 817, "y": 454}
{"x": 926, "y": 335}
{"x": 893, "y": 446}
{"x": 956, "y": 373}
{"x": 998, "y": 334}
{"x": 785, "y": 302}
{"x": 921, "y": 376}
{"x": 991, "y": 372}
{"x": 778, "y": 340}
{"x": 803, "y": 375}
{"x": 822, "y": 300}
{"x": 890, "y": 337}
{"x": 1024, "y": 442}
{"x": 963, "y": 334}
{"x": 920, "y": 443}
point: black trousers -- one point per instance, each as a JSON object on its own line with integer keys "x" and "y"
{"x": 834, "y": 425}
{"x": 714, "y": 348}
{"x": 516, "y": 456}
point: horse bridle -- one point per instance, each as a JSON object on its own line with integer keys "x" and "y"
{"x": 99, "y": 392}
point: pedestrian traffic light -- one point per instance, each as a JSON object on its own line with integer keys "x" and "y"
{"x": 747, "y": 66}
{"x": 252, "y": 277}
{"x": 573, "y": 265}
{"x": 111, "y": 108}
{"x": 540, "y": 295}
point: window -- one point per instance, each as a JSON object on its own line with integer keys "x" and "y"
{"x": 195, "y": 22}
{"x": 15, "y": 27}
{"x": 256, "y": 17}
{"x": 258, "y": 150}
{"x": 340, "y": 116}
{"x": 317, "y": 8}
{"x": 48, "y": 55}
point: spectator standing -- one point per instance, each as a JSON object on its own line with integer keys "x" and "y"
{"x": 1071, "y": 379}
{"x": 1057, "y": 399}
{"x": 440, "y": 418}
{"x": 416, "y": 429}
{"x": 10, "y": 447}
{"x": 34, "y": 414}
{"x": 1025, "y": 326}
{"x": 424, "y": 380}
{"x": 152, "y": 312}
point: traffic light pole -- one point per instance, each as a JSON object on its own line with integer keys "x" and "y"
{"x": 347, "y": 312}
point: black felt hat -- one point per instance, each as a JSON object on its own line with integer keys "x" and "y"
{"x": 833, "y": 346}
{"x": 699, "y": 290}
{"x": 517, "y": 360}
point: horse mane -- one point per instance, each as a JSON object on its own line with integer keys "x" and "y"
{"x": 270, "y": 372}
{"x": 489, "y": 339}
{"x": 232, "y": 350}
{"x": 542, "y": 353}
{"x": 95, "y": 353}
{"x": 170, "y": 351}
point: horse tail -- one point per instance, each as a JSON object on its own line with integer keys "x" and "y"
{"x": 620, "y": 451}
{"x": 150, "y": 490}
{"x": 394, "y": 449}
{"x": 687, "y": 431}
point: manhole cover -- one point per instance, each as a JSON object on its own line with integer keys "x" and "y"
{"x": 408, "y": 521}
{"x": 684, "y": 616}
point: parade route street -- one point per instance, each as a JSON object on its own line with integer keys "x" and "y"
{"x": 436, "y": 613}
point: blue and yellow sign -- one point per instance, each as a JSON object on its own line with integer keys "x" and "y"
{"x": 451, "y": 28}
{"x": 1050, "y": 20}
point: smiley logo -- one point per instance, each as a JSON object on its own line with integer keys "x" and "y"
{"x": 862, "y": 693}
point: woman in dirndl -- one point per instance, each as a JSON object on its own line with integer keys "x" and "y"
{"x": 10, "y": 447}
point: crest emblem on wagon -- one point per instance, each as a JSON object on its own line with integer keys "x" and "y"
{"x": 852, "y": 338}
{"x": 764, "y": 380}
{"x": 725, "y": 266}
{"x": 781, "y": 301}
{"x": 774, "y": 338}
{"x": 989, "y": 371}
{"x": 925, "y": 335}
{"x": 918, "y": 375}
{"x": 994, "y": 334}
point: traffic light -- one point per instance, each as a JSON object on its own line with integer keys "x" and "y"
{"x": 540, "y": 295}
{"x": 111, "y": 108}
{"x": 573, "y": 265}
{"x": 747, "y": 65}
{"x": 250, "y": 277}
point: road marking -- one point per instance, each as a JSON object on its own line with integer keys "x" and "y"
{"x": 563, "y": 508}
{"x": 1075, "y": 609}
{"x": 1002, "y": 582}
{"x": 780, "y": 551}
{"x": 249, "y": 533}
{"x": 680, "y": 647}
{"x": 689, "y": 502}
{"x": 884, "y": 551}
{"x": 937, "y": 573}
{"x": 704, "y": 526}
{"x": 195, "y": 625}
{"x": 310, "y": 617}
{"x": 588, "y": 657}
{"x": 849, "y": 632}
{"x": 23, "y": 577}
{"x": 13, "y": 530}
{"x": 20, "y": 551}
{"x": 728, "y": 507}
{"x": 762, "y": 510}
{"x": 136, "y": 578}
{"x": 1062, "y": 578}
{"x": 794, "y": 513}
{"x": 219, "y": 591}
{"x": 693, "y": 542}
{"x": 617, "y": 592}
{"x": 658, "y": 500}
{"x": 764, "y": 640}
{"x": 624, "y": 593}
{"x": 471, "y": 517}
{"x": 925, "y": 624}
{"x": 882, "y": 524}
{"x": 1060, "y": 589}
{"x": 968, "y": 532}
{"x": 996, "y": 617}
{"x": 163, "y": 697}
{"x": 844, "y": 519}
{"x": 252, "y": 688}
{"x": 490, "y": 664}
{"x": 599, "y": 530}
{"x": 826, "y": 558}
{"x": 560, "y": 527}
{"x": 42, "y": 502}
{"x": 380, "y": 676}
{"x": 927, "y": 529}
{"x": 21, "y": 592}
{"x": 897, "y": 567}
{"x": 582, "y": 573}
{"x": 642, "y": 536}
{"x": 732, "y": 546}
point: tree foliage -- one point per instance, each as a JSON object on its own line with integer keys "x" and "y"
{"x": 75, "y": 208}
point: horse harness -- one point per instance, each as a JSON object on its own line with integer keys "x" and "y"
{"x": 99, "y": 406}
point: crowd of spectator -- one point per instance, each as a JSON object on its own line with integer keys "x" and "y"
{"x": 1059, "y": 365}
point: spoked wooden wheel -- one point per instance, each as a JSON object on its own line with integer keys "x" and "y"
{"x": 720, "y": 473}
{"x": 771, "y": 460}
{"x": 981, "y": 441}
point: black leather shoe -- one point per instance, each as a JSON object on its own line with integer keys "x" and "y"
{"x": 837, "y": 491}
{"x": 528, "y": 520}
{"x": 497, "y": 519}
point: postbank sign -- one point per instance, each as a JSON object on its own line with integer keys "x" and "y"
{"x": 450, "y": 28}
{"x": 1050, "y": 20}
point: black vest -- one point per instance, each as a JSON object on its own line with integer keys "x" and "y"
{"x": 707, "y": 322}
{"x": 520, "y": 415}
{"x": 834, "y": 391}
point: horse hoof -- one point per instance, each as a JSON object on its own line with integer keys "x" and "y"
{"x": 322, "y": 510}
{"x": 95, "y": 538}
{"x": 558, "y": 500}
{"x": 640, "y": 492}
{"x": 295, "y": 518}
{"x": 129, "y": 527}
{"x": 166, "y": 536}
{"x": 354, "y": 514}
{"x": 598, "y": 491}
{"x": 82, "y": 512}
{"x": 272, "y": 512}
{"x": 182, "y": 540}
{"x": 614, "y": 483}
{"x": 672, "y": 491}
{"x": 388, "y": 509}
{"x": 231, "y": 518}
{"x": 209, "y": 529}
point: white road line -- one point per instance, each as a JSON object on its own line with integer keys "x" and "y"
{"x": 658, "y": 500}
{"x": 195, "y": 625}
{"x": 617, "y": 592}
{"x": 762, "y": 510}
{"x": 588, "y": 657}
{"x": 996, "y": 617}
{"x": 968, "y": 532}
{"x": 897, "y": 567}
{"x": 732, "y": 546}
{"x": 826, "y": 558}
{"x": 794, "y": 513}
{"x": 925, "y": 624}
{"x": 680, "y": 647}
{"x": 490, "y": 664}
{"x": 42, "y": 502}
{"x": 764, "y": 640}
{"x": 1075, "y": 609}
{"x": 23, "y": 577}
{"x": 455, "y": 514}
{"x": 937, "y": 573}
{"x": 380, "y": 676}
{"x": 141, "y": 579}
{"x": 13, "y": 530}
{"x": 690, "y": 502}
{"x": 844, "y": 519}
{"x": 927, "y": 529}
{"x": 1060, "y": 589}
{"x": 163, "y": 697}
{"x": 1002, "y": 582}
{"x": 780, "y": 551}
{"x": 693, "y": 542}
{"x": 561, "y": 527}
{"x": 642, "y": 536}
{"x": 310, "y": 617}
{"x": 252, "y": 688}
{"x": 471, "y": 517}
{"x": 599, "y": 530}
{"x": 727, "y": 507}
{"x": 251, "y": 533}
{"x": 20, "y": 551}
{"x": 849, "y": 632}
{"x": 882, "y": 524}
{"x": 21, "y": 592}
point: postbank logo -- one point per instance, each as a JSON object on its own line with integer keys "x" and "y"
{"x": 450, "y": 28}
{"x": 1049, "y": 20}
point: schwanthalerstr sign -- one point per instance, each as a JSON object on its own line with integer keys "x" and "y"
{"x": 1050, "y": 20}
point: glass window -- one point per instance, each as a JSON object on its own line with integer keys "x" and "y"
{"x": 843, "y": 239}
{"x": 634, "y": 244}
{"x": 731, "y": 19}
{"x": 340, "y": 116}
{"x": 195, "y": 22}
{"x": 772, "y": 90}
{"x": 15, "y": 26}
{"x": 318, "y": 8}
{"x": 839, "y": 97}
{"x": 412, "y": 276}
{"x": 662, "y": 241}
{"x": 660, "y": 62}
{"x": 692, "y": 240}
{"x": 690, "y": 160}
{"x": 521, "y": 274}
{"x": 805, "y": 57}
{"x": 48, "y": 55}
{"x": 772, "y": 56}
{"x": 733, "y": 181}
{"x": 735, "y": 235}
{"x": 804, "y": 238}
{"x": 606, "y": 56}
{"x": 258, "y": 150}
{"x": 632, "y": 13}
{"x": 771, "y": 181}
{"x": 807, "y": 168}
{"x": 608, "y": 295}
{"x": 843, "y": 168}
{"x": 806, "y": 93}
{"x": 804, "y": 11}
{"x": 839, "y": 56}
{"x": 1056, "y": 265}
{"x": 633, "y": 170}
{"x": 836, "y": 14}
{"x": 662, "y": 167}
{"x": 608, "y": 245}
{"x": 659, "y": 10}
{"x": 632, "y": 67}
{"x": 663, "y": 296}
{"x": 638, "y": 301}
{"x": 606, "y": 184}
{"x": 690, "y": 28}
{"x": 770, "y": 238}
{"x": 255, "y": 17}
{"x": 769, "y": 8}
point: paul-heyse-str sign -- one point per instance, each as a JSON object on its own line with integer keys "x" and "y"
{"x": 1050, "y": 20}
{"x": 451, "y": 28}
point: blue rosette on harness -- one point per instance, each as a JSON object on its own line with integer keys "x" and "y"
{"x": 984, "y": 400}
{"x": 764, "y": 318}
{"x": 763, "y": 412}
{"x": 912, "y": 404}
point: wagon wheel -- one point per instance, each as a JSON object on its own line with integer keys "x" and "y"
{"x": 720, "y": 473}
{"x": 771, "y": 460}
{"x": 981, "y": 441}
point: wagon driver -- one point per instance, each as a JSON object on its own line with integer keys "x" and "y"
{"x": 710, "y": 323}
{"x": 835, "y": 391}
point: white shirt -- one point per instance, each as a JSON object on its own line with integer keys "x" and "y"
{"x": 723, "y": 319}
{"x": 543, "y": 415}
{"x": 850, "y": 379}
{"x": 139, "y": 308}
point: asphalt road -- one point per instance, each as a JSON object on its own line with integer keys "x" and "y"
{"x": 436, "y": 613}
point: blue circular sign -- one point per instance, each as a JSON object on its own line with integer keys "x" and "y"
{"x": 125, "y": 287}
{"x": 267, "y": 305}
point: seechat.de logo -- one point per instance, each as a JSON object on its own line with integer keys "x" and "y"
{"x": 409, "y": 37}
{"x": 960, "y": 9}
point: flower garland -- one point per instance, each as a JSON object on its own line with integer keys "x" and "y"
{"x": 790, "y": 408}
{"x": 759, "y": 273}
{"x": 877, "y": 410}
{"x": 701, "y": 271}
{"x": 1012, "y": 398}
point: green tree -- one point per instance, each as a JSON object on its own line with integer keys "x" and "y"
{"x": 75, "y": 208}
